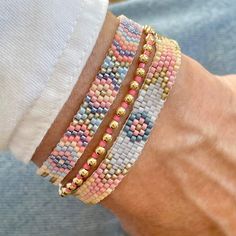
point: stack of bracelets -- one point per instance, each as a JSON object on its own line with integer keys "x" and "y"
{"x": 161, "y": 58}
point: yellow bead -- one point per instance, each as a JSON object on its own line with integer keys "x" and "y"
{"x": 129, "y": 98}
{"x": 140, "y": 72}
{"x": 163, "y": 84}
{"x": 166, "y": 90}
{"x": 92, "y": 162}
{"x": 134, "y": 85}
{"x": 70, "y": 186}
{"x": 120, "y": 111}
{"x": 164, "y": 96}
{"x": 100, "y": 150}
{"x": 114, "y": 124}
{"x": 83, "y": 173}
{"x": 166, "y": 79}
{"x": 107, "y": 138}
{"x": 147, "y": 47}
{"x": 143, "y": 58}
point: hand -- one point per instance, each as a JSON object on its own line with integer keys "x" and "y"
{"x": 185, "y": 180}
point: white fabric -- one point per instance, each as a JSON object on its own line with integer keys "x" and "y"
{"x": 44, "y": 46}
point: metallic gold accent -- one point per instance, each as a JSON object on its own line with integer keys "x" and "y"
{"x": 120, "y": 111}
{"x": 77, "y": 181}
{"x": 147, "y": 47}
{"x": 107, "y": 138}
{"x": 134, "y": 85}
{"x": 83, "y": 173}
{"x": 114, "y": 124}
{"x": 129, "y": 98}
{"x": 143, "y": 58}
{"x": 100, "y": 150}
{"x": 92, "y": 162}
{"x": 140, "y": 72}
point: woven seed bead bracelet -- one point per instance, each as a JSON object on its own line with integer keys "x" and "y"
{"x": 135, "y": 85}
{"x": 96, "y": 104}
{"x": 130, "y": 143}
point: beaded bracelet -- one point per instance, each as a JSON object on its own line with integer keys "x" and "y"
{"x": 96, "y": 104}
{"x": 134, "y": 88}
{"x": 130, "y": 143}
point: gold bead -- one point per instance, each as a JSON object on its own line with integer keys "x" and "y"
{"x": 147, "y": 47}
{"x": 92, "y": 162}
{"x": 70, "y": 186}
{"x": 163, "y": 84}
{"x": 83, "y": 173}
{"x": 140, "y": 72}
{"x": 109, "y": 166}
{"x": 107, "y": 138}
{"x": 166, "y": 90}
{"x": 118, "y": 171}
{"x": 114, "y": 124}
{"x": 134, "y": 85}
{"x": 129, "y": 165}
{"x": 129, "y": 98}
{"x": 166, "y": 79}
{"x": 77, "y": 181}
{"x": 143, "y": 58}
{"x": 164, "y": 96}
{"x": 100, "y": 150}
{"x": 120, "y": 111}
{"x": 107, "y": 176}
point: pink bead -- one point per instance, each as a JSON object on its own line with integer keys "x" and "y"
{"x": 149, "y": 75}
{"x": 144, "y": 126}
{"x": 172, "y": 78}
{"x": 168, "y": 74}
{"x": 99, "y": 171}
{"x": 135, "y": 122}
{"x": 103, "y": 166}
{"x": 86, "y": 166}
{"x": 155, "y": 64}
{"x": 102, "y": 190}
{"x": 102, "y": 143}
{"x": 71, "y": 138}
{"x": 116, "y": 118}
{"x": 169, "y": 84}
{"x": 132, "y": 127}
{"x": 141, "y": 65}
{"x": 136, "y": 133}
{"x": 152, "y": 70}
{"x": 109, "y": 130}
{"x": 95, "y": 155}
{"x": 113, "y": 186}
{"x": 142, "y": 132}
{"x": 110, "y": 181}
{"x": 160, "y": 63}
{"x": 141, "y": 120}
{"x": 147, "y": 53}
{"x": 102, "y": 176}
{"x": 138, "y": 79}
{"x": 125, "y": 105}
{"x": 71, "y": 128}
{"x": 100, "y": 185}
{"x": 133, "y": 92}
{"x": 106, "y": 185}
{"x": 159, "y": 69}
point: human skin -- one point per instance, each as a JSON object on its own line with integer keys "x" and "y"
{"x": 184, "y": 182}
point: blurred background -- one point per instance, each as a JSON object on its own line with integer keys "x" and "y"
{"x": 30, "y": 206}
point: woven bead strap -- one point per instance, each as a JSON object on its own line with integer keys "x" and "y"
{"x": 130, "y": 97}
{"x": 96, "y": 104}
{"x": 130, "y": 143}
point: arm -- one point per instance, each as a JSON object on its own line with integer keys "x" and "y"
{"x": 180, "y": 178}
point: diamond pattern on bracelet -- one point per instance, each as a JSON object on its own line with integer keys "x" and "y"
{"x": 96, "y": 104}
{"x": 129, "y": 145}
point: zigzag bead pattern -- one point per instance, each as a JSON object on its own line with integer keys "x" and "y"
{"x": 130, "y": 143}
{"x": 96, "y": 104}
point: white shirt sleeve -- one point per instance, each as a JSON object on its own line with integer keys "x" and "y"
{"x": 44, "y": 47}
